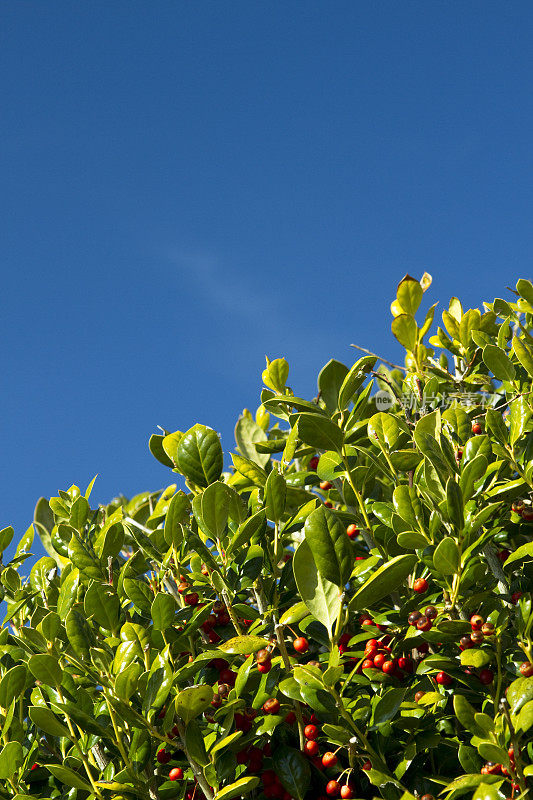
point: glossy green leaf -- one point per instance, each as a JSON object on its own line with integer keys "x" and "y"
{"x": 407, "y": 505}
{"x": 385, "y": 430}
{"x": 388, "y": 705}
{"x": 354, "y": 379}
{"x": 199, "y": 455}
{"x": 192, "y": 701}
{"x": 79, "y": 633}
{"x": 447, "y": 556}
{"x": 496, "y": 425}
{"x": 102, "y": 604}
{"x": 69, "y": 777}
{"x": 388, "y": 578}
{"x": 253, "y": 526}
{"x": 243, "y": 645}
{"x": 84, "y": 558}
{"x": 247, "y": 434}
{"x": 322, "y": 597}
{"x": 159, "y": 683}
{"x": 409, "y": 295}
{"x": 163, "y": 611}
{"x": 215, "y": 509}
{"x": 405, "y": 330}
{"x": 294, "y": 614}
{"x": 520, "y": 414}
{"x": 12, "y": 684}
{"x": 293, "y": 770}
{"x": 330, "y": 380}
{"x": 275, "y": 496}
{"x": 46, "y": 669}
{"x": 519, "y": 693}
{"x": 276, "y": 374}
{"x": 249, "y": 469}
{"x": 6, "y": 535}
{"x": 454, "y": 504}
{"x": 155, "y": 444}
{"x": 498, "y": 362}
{"x": 11, "y": 758}
{"x": 331, "y": 548}
{"x": 475, "y": 658}
{"x": 178, "y": 513}
{"x": 472, "y": 472}
{"x": 319, "y": 432}
{"x": 240, "y": 788}
{"x": 523, "y": 354}
{"x": 405, "y": 460}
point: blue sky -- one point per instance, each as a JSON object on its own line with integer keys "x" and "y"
{"x": 188, "y": 186}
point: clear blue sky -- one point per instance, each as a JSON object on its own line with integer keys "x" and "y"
{"x": 188, "y": 186}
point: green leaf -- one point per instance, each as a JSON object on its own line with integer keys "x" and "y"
{"x": 520, "y": 414}
{"x": 178, "y": 513}
{"x": 163, "y": 611}
{"x": 6, "y": 535}
{"x": 240, "y": 788}
{"x": 275, "y": 496}
{"x": 126, "y": 681}
{"x": 330, "y": 380}
{"x": 405, "y": 330}
{"x": 354, "y": 379}
{"x": 47, "y": 722}
{"x": 465, "y": 713}
{"x": 405, "y": 460}
{"x": 79, "y": 633}
{"x": 519, "y": 693}
{"x": 471, "y": 473}
{"x": 12, "y": 684}
{"x": 215, "y": 509}
{"x": 410, "y": 540}
{"x": 322, "y": 597}
{"x": 522, "y": 552}
{"x": 491, "y": 752}
{"x": 496, "y": 425}
{"x": 524, "y": 721}
{"x": 102, "y": 604}
{"x": 251, "y": 527}
{"x": 192, "y": 701}
{"x": 294, "y": 614}
{"x": 243, "y": 645}
{"x": 447, "y": 557}
{"x": 155, "y": 444}
{"x": 475, "y": 658}
{"x": 460, "y": 422}
{"x": 407, "y": 505}
{"x": 331, "y": 548}
{"x": 485, "y": 791}
{"x": 249, "y": 469}
{"x": 523, "y": 354}
{"x": 454, "y": 504}
{"x": 247, "y": 434}
{"x": 11, "y": 758}
{"x": 25, "y": 542}
{"x": 67, "y": 593}
{"x": 159, "y": 683}
{"x": 388, "y": 705}
{"x": 84, "y": 558}
{"x": 276, "y": 374}
{"x": 194, "y": 741}
{"x": 388, "y": 578}
{"x": 409, "y": 294}
{"x": 385, "y": 429}
{"x": 46, "y": 669}
{"x": 199, "y": 455}
{"x": 293, "y": 770}
{"x": 319, "y": 432}
{"x": 498, "y": 362}
{"x": 67, "y": 776}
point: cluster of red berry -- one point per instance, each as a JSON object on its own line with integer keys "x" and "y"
{"x": 492, "y": 768}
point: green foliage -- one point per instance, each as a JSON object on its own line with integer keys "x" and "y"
{"x": 156, "y": 629}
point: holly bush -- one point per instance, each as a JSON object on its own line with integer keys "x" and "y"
{"x": 346, "y": 611}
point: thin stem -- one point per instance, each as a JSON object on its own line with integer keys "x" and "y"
{"x": 385, "y": 361}
{"x": 198, "y": 774}
{"x": 231, "y": 613}
{"x": 287, "y": 664}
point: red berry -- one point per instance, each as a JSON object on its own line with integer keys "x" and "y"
{"x": 443, "y": 679}
{"x": 325, "y": 486}
{"x": 389, "y": 667}
{"x": 311, "y": 732}
{"x": 367, "y": 664}
{"x": 266, "y": 667}
{"x": 311, "y": 747}
{"x": 290, "y": 719}
{"x": 34, "y": 766}
{"x": 413, "y": 617}
{"x": 476, "y": 428}
{"x": 367, "y": 765}
{"x": 420, "y": 586}
{"x": 271, "y": 706}
{"x": 346, "y": 791}
{"x": 352, "y": 531}
{"x": 486, "y": 676}
{"x": 227, "y": 676}
{"x": 515, "y": 597}
{"x": 476, "y": 622}
{"x": 431, "y": 612}
{"x": 424, "y": 624}
{"x": 301, "y": 645}
{"x": 329, "y": 759}
{"x": 163, "y": 756}
{"x": 379, "y": 660}
{"x": 405, "y": 664}
{"x": 313, "y": 463}
{"x": 366, "y": 622}
{"x": 191, "y": 599}
{"x": 527, "y": 513}
{"x": 333, "y": 788}
{"x": 526, "y": 669}
{"x": 176, "y": 774}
